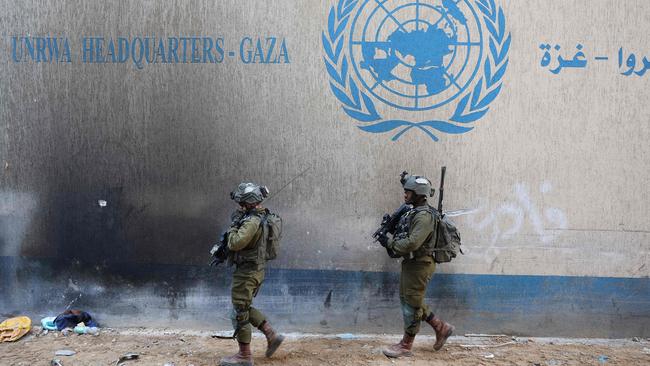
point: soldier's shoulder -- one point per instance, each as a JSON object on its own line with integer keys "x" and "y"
{"x": 424, "y": 214}
{"x": 236, "y": 215}
{"x": 254, "y": 218}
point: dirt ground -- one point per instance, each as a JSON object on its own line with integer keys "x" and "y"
{"x": 185, "y": 347}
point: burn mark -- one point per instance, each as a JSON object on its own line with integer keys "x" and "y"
{"x": 328, "y": 300}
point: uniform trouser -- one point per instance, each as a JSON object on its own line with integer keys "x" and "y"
{"x": 246, "y": 282}
{"x": 413, "y": 283}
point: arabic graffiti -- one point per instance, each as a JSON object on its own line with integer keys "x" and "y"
{"x": 580, "y": 60}
{"x": 509, "y": 218}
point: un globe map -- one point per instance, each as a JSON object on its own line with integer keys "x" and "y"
{"x": 412, "y": 51}
{"x": 412, "y": 56}
{"x": 420, "y": 50}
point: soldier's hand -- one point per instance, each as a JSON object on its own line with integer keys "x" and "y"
{"x": 392, "y": 254}
{"x": 383, "y": 240}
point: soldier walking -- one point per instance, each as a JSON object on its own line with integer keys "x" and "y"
{"x": 414, "y": 240}
{"x": 247, "y": 246}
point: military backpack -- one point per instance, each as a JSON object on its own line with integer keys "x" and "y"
{"x": 271, "y": 234}
{"x": 447, "y": 244}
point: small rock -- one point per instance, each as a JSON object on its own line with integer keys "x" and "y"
{"x": 488, "y": 355}
{"x": 636, "y": 339}
{"x": 66, "y": 331}
{"x": 169, "y": 364}
{"x": 56, "y": 362}
{"x": 64, "y": 352}
{"x": 603, "y": 358}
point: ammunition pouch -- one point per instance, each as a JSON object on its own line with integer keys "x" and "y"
{"x": 255, "y": 253}
{"x": 426, "y": 250}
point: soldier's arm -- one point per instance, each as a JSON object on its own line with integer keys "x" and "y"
{"x": 239, "y": 239}
{"x": 421, "y": 228}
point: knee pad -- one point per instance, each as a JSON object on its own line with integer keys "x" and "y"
{"x": 411, "y": 315}
{"x": 239, "y": 317}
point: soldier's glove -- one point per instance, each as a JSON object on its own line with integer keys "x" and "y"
{"x": 383, "y": 240}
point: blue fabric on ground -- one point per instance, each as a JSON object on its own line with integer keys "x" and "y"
{"x": 70, "y": 319}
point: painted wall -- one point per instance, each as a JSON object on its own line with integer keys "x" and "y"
{"x": 115, "y": 175}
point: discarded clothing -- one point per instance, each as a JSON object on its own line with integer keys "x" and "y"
{"x": 70, "y": 319}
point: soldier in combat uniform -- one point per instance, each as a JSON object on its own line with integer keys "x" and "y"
{"x": 414, "y": 240}
{"x": 246, "y": 252}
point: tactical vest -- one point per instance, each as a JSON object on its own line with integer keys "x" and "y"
{"x": 402, "y": 231}
{"x": 255, "y": 252}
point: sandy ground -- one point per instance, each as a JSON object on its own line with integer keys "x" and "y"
{"x": 186, "y": 347}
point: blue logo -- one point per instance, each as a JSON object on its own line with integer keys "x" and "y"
{"x": 416, "y": 58}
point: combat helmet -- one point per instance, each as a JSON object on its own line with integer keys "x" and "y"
{"x": 418, "y": 184}
{"x": 249, "y": 193}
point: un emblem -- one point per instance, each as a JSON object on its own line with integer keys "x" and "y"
{"x": 417, "y": 58}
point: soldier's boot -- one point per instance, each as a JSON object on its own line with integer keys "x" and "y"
{"x": 273, "y": 339}
{"x": 443, "y": 330}
{"x": 401, "y": 349}
{"x": 242, "y": 358}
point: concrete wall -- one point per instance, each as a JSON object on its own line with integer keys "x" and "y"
{"x": 555, "y": 173}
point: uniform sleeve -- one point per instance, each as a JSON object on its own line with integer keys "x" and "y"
{"x": 421, "y": 228}
{"x": 239, "y": 239}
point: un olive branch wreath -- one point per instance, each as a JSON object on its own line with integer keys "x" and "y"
{"x": 472, "y": 106}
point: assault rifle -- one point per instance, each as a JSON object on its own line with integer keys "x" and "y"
{"x": 220, "y": 251}
{"x": 389, "y": 222}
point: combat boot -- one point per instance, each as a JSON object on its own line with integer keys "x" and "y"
{"x": 273, "y": 339}
{"x": 401, "y": 349}
{"x": 242, "y": 358}
{"x": 443, "y": 330}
